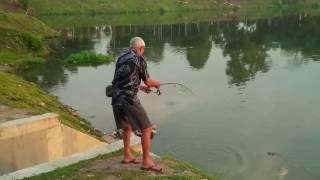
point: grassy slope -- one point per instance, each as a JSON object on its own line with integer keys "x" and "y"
{"x": 22, "y": 37}
{"x": 123, "y": 6}
{"x": 247, "y": 7}
{"x": 271, "y": 8}
{"x": 22, "y": 41}
{"x": 15, "y": 92}
{"x": 14, "y": 21}
{"x": 59, "y": 21}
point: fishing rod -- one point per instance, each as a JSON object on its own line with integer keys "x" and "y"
{"x": 158, "y": 91}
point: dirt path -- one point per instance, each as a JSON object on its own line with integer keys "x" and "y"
{"x": 112, "y": 168}
{"x": 109, "y": 167}
{"x": 7, "y": 114}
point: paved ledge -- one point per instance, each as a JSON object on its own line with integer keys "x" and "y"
{"x": 50, "y": 166}
{"x": 29, "y": 120}
{"x": 20, "y": 127}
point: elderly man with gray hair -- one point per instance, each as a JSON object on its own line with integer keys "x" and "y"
{"x": 128, "y": 112}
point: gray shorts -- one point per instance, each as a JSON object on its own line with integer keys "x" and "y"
{"x": 133, "y": 115}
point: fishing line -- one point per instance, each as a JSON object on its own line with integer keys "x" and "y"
{"x": 158, "y": 91}
{"x": 177, "y": 84}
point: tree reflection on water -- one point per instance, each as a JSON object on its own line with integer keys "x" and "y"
{"x": 245, "y": 44}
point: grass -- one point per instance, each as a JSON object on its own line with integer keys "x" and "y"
{"x": 76, "y": 171}
{"x": 183, "y": 166}
{"x": 87, "y": 58}
{"x": 18, "y": 93}
{"x": 19, "y": 22}
{"x": 247, "y": 7}
{"x": 124, "y": 6}
{"x": 23, "y": 44}
{"x": 17, "y": 60}
{"x": 22, "y": 38}
{"x": 59, "y": 21}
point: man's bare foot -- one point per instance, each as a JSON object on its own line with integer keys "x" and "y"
{"x": 152, "y": 167}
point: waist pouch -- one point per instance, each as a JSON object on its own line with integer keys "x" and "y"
{"x": 109, "y": 91}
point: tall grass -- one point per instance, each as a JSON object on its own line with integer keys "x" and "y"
{"x": 87, "y": 58}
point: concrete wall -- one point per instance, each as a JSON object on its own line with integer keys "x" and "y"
{"x": 30, "y": 141}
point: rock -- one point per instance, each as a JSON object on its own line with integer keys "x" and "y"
{"x": 75, "y": 113}
{"x": 90, "y": 175}
{"x": 109, "y": 139}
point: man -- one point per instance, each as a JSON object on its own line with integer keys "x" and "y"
{"x": 129, "y": 114}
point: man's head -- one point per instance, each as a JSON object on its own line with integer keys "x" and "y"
{"x": 138, "y": 44}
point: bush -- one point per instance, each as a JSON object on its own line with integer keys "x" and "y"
{"x": 24, "y": 3}
{"x": 33, "y": 42}
{"x": 315, "y": 5}
{"x": 87, "y": 58}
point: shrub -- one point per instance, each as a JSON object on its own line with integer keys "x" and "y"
{"x": 24, "y": 3}
{"x": 87, "y": 58}
{"x": 315, "y": 5}
{"x": 33, "y": 42}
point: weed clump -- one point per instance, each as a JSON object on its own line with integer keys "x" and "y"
{"x": 87, "y": 58}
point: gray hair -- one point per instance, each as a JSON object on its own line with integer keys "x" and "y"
{"x": 136, "y": 42}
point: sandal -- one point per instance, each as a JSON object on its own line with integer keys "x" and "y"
{"x": 153, "y": 168}
{"x": 132, "y": 161}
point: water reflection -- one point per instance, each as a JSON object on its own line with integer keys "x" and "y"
{"x": 196, "y": 39}
{"x": 245, "y": 44}
{"x": 239, "y": 125}
{"x": 46, "y": 75}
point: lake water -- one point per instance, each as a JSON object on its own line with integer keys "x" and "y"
{"x": 254, "y": 112}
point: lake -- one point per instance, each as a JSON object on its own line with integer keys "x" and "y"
{"x": 254, "y": 108}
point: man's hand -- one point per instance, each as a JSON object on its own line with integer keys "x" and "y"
{"x": 145, "y": 89}
{"x": 152, "y": 83}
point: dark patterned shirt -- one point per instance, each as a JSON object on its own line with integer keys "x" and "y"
{"x": 130, "y": 70}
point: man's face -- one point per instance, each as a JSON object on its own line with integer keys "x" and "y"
{"x": 140, "y": 51}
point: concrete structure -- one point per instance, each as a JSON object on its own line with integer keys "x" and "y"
{"x": 52, "y": 165}
{"x": 39, "y": 139}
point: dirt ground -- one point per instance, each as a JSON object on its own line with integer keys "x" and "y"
{"x": 113, "y": 169}
{"x": 7, "y": 114}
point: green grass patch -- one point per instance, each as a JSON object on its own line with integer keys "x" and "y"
{"x": 18, "y": 60}
{"x": 20, "y": 22}
{"x": 24, "y": 3}
{"x": 33, "y": 42}
{"x": 87, "y": 58}
{"x": 60, "y": 21}
{"x": 125, "y": 6}
{"x": 248, "y": 7}
{"x": 22, "y": 39}
{"x": 180, "y": 166}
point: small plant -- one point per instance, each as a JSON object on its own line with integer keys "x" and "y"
{"x": 24, "y": 3}
{"x": 87, "y": 58}
{"x": 33, "y": 42}
{"x": 315, "y": 5}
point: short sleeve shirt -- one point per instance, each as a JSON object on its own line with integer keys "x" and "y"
{"x": 130, "y": 70}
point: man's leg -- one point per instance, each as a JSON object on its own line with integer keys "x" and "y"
{"x": 146, "y": 147}
{"x": 126, "y": 143}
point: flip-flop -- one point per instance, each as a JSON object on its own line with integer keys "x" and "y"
{"x": 153, "y": 168}
{"x": 132, "y": 161}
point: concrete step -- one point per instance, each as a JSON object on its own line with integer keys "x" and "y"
{"x": 39, "y": 139}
